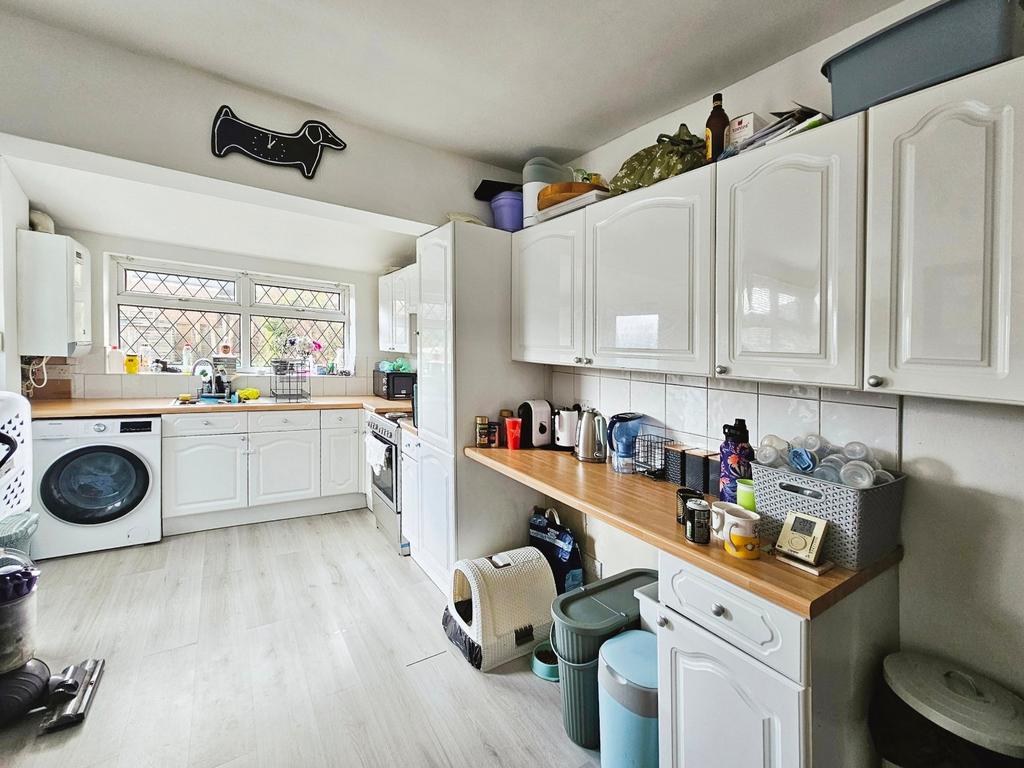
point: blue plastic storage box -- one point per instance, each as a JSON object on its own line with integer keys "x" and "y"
{"x": 943, "y": 41}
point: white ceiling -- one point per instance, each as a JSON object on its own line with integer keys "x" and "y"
{"x": 213, "y": 221}
{"x": 498, "y": 81}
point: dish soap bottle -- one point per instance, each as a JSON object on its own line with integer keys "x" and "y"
{"x": 716, "y": 131}
{"x": 736, "y": 455}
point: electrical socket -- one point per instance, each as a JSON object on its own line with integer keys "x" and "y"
{"x": 58, "y": 371}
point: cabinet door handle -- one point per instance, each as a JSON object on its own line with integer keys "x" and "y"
{"x": 577, "y": 360}
{"x": 875, "y": 381}
{"x": 588, "y": 360}
{"x": 662, "y": 621}
{"x": 721, "y": 370}
{"x": 206, "y": 423}
{"x": 284, "y": 421}
{"x": 717, "y": 609}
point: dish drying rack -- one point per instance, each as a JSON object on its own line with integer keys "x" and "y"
{"x": 649, "y": 455}
{"x": 289, "y": 382}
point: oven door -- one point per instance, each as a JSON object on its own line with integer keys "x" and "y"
{"x": 386, "y": 483}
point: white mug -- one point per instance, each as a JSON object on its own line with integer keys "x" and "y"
{"x": 739, "y": 535}
{"x": 718, "y": 512}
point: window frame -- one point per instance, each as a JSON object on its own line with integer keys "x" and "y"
{"x": 244, "y": 303}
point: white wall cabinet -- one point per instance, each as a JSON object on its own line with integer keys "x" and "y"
{"x": 720, "y": 707}
{"x": 435, "y": 374}
{"x": 649, "y": 263}
{"x": 433, "y": 552}
{"x": 339, "y": 461}
{"x": 547, "y": 291}
{"x": 945, "y": 305}
{"x": 397, "y": 297}
{"x": 284, "y": 466}
{"x": 789, "y": 259}
{"x": 205, "y": 473}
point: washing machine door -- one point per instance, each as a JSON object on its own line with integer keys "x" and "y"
{"x": 94, "y": 485}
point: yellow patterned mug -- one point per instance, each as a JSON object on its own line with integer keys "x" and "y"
{"x": 739, "y": 534}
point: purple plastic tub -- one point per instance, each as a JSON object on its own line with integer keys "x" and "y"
{"x": 508, "y": 211}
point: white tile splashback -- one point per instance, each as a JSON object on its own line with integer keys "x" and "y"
{"x": 692, "y": 409}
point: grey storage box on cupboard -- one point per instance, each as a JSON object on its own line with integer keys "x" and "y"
{"x": 943, "y": 41}
{"x": 583, "y": 620}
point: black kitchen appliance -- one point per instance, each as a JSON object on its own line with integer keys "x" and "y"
{"x": 537, "y": 423}
{"x": 393, "y": 385}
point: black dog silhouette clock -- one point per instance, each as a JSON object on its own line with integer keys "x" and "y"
{"x": 302, "y": 149}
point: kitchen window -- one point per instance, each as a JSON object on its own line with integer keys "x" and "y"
{"x": 166, "y": 306}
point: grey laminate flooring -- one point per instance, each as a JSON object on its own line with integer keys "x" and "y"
{"x": 301, "y": 643}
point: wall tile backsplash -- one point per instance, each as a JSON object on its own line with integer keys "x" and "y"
{"x": 692, "y": 409}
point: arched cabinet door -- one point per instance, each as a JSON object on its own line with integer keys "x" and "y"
{"x": 945, "y": 302}
{"x": 719, "y": 707}
{"x": 547, "y": 291}
{"x": 789, "y": 259}
{"x": 649, "y": 276}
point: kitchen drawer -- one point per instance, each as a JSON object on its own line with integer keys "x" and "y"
{"x": 763, "y": 630}
{"x": 221, "y": 423}
{"x": 339, "y": 418}
{"x": 410, "y": 444}
{"x": 283, "y": 421}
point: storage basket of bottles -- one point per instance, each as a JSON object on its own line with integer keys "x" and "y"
{"x": 290, "y": 380}
{"x": 864, "y": 523}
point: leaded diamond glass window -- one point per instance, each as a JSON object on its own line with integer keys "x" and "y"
{"x": 167, "y": 331}
{"x": 268, "y": 333}
{"x": 303, "y": 298}
{"x": 179, "y": 286}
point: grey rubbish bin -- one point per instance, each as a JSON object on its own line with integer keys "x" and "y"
{"x": 928, "y": 713}
{"x": 583, "y": 620}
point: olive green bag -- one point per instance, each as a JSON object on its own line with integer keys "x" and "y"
{"x": 671, "y": 156}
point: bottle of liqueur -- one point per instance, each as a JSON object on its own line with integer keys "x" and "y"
{"x": 716, "y": 132}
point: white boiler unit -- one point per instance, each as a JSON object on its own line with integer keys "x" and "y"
{"x": 51, "y": 321}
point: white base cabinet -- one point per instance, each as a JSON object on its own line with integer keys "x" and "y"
{"x": 745, "y": 683}
{"x": 234, "y": 467}
{"x": 339, "y": 461}
{"x": 204, "y": 474}
{"x": 284, "y": 466}
{"x": 410, "y": 489}
{"x": 436, "y": 514}
{"x": 723, "y": 708}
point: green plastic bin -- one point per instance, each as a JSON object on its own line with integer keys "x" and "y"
{"x": 583, "y": 620}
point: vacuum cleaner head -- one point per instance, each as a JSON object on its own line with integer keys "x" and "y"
{"x": 71, "y": 695}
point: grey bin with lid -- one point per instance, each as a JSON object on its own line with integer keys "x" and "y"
{"x": 583, "y": 620}
{"x": 930, "y": 713}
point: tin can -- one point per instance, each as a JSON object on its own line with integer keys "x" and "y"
{"x": 698, "y": 521}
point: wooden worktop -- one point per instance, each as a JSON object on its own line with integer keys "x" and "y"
{"x": 646, "y": 509}
{"x": 95, "y": 408}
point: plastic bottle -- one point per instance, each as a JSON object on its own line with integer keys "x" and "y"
{"x": 769, "y": 455}
{"x": 817, "y": 445}
{"x": 858, "y": 474}
{"x": 187, "y": 358}
{"x": 735, "y": 454}
{"x": 775, "y": 442}
{"x": 115, "y": 360}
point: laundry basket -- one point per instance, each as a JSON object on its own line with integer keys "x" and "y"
{"x": 500, "y": 606}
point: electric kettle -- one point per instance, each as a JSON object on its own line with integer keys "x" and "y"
{"x": 591, "y": 437}
{"x": 566, "y": 422}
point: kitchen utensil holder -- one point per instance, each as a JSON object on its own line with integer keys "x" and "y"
{"x": 290, "y": 381}
{"x": 649, "y": 455}
{"x": 864, "y": 524}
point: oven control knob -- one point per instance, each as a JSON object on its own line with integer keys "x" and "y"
{"x": 99, "y": 427}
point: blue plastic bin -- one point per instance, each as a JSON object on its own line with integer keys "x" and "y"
{"x": 943, "y": 41}
{"x": 628, "y": 677}
{"x": 507, "y": 208}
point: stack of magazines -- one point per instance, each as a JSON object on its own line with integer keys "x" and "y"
{"x": 788, "y": 124}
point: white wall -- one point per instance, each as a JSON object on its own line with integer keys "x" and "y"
{"x": 69, "y": 89}
{"x": 13, "y": 216}
{"x": 797, "y": 78}
{"x": 963, "y": 529}
{"x": 92, "y": 366}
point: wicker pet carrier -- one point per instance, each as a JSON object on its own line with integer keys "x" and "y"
{"x": 500, "y": 606}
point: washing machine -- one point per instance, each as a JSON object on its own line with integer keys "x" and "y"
{"x": 96, "y": 484}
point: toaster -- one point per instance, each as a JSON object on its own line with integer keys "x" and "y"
{"x": 536, "y": 416}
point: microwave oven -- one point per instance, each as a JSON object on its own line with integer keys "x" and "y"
{"x": 394, "y": 385}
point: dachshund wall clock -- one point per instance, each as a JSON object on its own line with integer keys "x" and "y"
{"x": 301, "y": 149}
